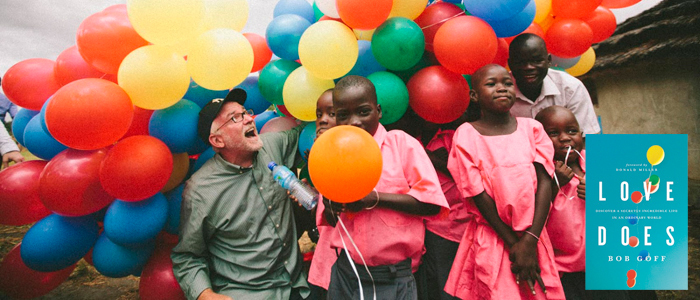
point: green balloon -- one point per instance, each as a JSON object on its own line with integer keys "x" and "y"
{"x": 392, "y": 95}
{"x": 304, "y": 173}
{"x": 406, "y": 75}
{"x": 398, "y": 43}
{"x": 317, "y": 12}
{"x": 654, "y": 179}
{"x": 469, "y": 79}
{"x": 272, "y": 77}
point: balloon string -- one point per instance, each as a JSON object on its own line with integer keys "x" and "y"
{"x": 444, "y": 20}
{"x": 352, "y": 264}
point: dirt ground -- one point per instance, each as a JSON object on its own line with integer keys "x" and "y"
{"x": 85, "y": 283}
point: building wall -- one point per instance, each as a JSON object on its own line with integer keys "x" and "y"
{"x": 662, "y": 97}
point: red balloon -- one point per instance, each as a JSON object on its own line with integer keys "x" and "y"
{"x": 139, "y": 122}
{"x": 106, "y": 37}
{"x": 438, "y": 95}
{"x": 261, "y": 52}
{"x": 602, "y": 22}
{"x": 20, "y": 203}
{"x": 283, "y": 110}
{"x": 29, "y": 83}
{"x": 136, "y": 168}
{"x": 70, "y": 183}
{"x": 89, "y": 114}
{"x": 432, "y": 18}
{"x": 465, "y": 53}
{"x": 568, "y": 38}
{"x": 619, "y": 3}
{"x": 157, "y": 278}
{"x": 70, "y": 66}
{"x": 502, "y": 53}
{"x": 20, "y": 282}
{"x": 364, "y": 14}
{"x": 534, "y": 28}
{"x": 573, "y": 9}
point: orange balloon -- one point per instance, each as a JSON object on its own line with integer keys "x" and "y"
{"x": 106, "y": 37}
{"x": 29, "y": 83}
{"x": 345, "y": 163}
{"x": 261, "y": 52}
{"x": 364, "y": 14}
{"x": 89, "y": 114}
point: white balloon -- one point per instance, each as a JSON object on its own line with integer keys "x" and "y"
{"x": 328, "y": 8}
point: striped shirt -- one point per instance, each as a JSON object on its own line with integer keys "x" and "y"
{"x": 237, "y": 233}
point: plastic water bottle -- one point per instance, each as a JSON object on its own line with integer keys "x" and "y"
{"x": 286, "y": 178}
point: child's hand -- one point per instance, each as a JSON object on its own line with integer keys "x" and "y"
{"x": 581, "y": 189}
{"x": 525, "y": 265}
{"x": 563, "y": 173}
{"x": 368, "y": 201}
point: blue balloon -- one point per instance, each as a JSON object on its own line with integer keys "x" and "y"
{"x": 57, "y": 242}
{"x": 643, "y": 254}
{"x": 39, "y": 142}
{"x": 206, "y": 155}
{"x": 564, "y": 63}
{"x": 453, "y": 1}
{"x": 366, "y": 64}
{"x": 176, "y": 126}
{"x": 254, "y": 99}
{"x": 42, "y": 113}
{"x": 262, "y": 118}
{"x": 283, "y": 35}
{"x": 495, "y": 9}
{"x": 300, "y": 8}
{"x": 174, "y": 196}
{"x": 516, "y": 24}
{"x": 132, "y": 224}
{"x": 632, "y": 219}
{"x": 20, "y": 121}
{"x": 306, "y": 139}
{"x": 202, "y": 96}
{"x": 113, "y": 260}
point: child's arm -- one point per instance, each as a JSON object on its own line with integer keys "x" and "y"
{"x": 398, "y": 202}
{"x": 524, "y": 252}
{"x": 487, "y": 208}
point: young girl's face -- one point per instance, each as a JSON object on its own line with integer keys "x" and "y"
{"x": 494, "y": 90}
{"x": 325, "y": 115}
{"x": 562, "y": 128}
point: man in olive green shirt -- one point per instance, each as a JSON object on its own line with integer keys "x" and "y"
{"x": 237, "y": 234}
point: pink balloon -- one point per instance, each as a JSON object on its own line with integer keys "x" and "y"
{"x": 70, "y": 183}
{"x": 20, "y": 282}
{"x": 279, "y": 124}
{"x": 157, "y": 279}
{"x": 19, "y": 194}
{"x": 29, "y": 83}
{"x": 70, "y": 66}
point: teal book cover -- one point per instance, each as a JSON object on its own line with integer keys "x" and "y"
{"x": 637, "y": 212}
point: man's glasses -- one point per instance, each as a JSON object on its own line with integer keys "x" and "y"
{"x": 237, "y": 117}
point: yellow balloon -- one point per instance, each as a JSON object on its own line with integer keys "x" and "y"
{"x": 409, "y": 9}
{"x": 543, "y": 7}
{"x": 166, "y": 22}
{"x": 225, "y": 14}
{"x": 328, "y": 49}
{"x": 219, "y": 59}
{"x": 364, "y": 34}
{"x": 300, "y": 92}
{"x": 655, "y": 155}
{"x": 181, "y": 164}
{"x": 584, "y": 64}
{"x": 546, "y": 23}
{"x": 155, "y": 77}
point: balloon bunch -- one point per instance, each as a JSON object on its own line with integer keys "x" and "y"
{"x": 115, "y": 116}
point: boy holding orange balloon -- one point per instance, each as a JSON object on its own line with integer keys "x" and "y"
{"x": 386, "y": 225}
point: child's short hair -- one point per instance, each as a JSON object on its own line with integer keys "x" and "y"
{"x": 352, "y": 81}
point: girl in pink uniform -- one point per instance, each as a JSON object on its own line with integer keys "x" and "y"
{"x": 503, "y": 164}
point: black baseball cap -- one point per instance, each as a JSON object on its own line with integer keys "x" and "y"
{"x": 211, "y": 110}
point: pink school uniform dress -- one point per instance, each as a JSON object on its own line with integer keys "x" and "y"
{"x": 567, "y": 226}
{"x": 502, "y": 166}
{"x": 385, "y": 236}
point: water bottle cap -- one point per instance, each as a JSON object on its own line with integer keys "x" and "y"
{"x": 271, "y": 165}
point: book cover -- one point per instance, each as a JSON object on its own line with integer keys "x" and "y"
{"x": 637, "y": 212}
